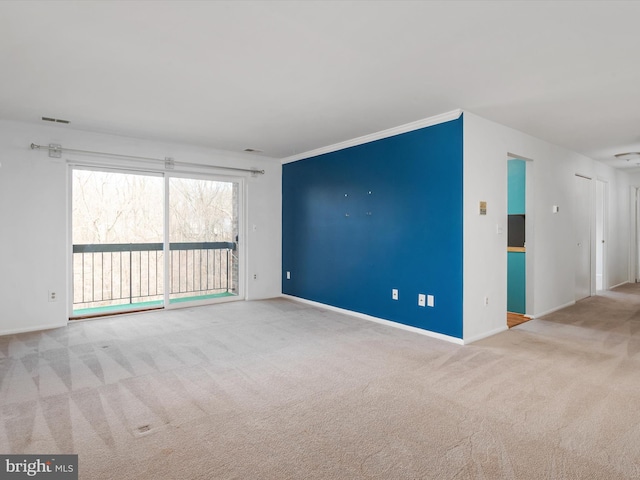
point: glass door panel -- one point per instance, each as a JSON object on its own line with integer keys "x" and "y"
{"x": 117, "y": 236}
{"x": 203, "y": 234}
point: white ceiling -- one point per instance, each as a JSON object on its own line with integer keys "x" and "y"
{"x": 288, "y": 77}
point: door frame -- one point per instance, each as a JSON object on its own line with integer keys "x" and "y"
{"x": 592, "y": 234}
{"x": 529, "y": 225}
{"x": 166, "y": 175}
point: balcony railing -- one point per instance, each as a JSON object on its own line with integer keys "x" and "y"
{"x": 133, "y": 273}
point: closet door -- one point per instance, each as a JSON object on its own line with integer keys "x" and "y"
{"x": 582, "y": 232}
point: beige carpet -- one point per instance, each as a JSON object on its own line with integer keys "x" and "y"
{"x": 280, "y": 390}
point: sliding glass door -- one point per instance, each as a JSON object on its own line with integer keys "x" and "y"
{"x": 144, "y": 241}
{"x": 203, "y": 233}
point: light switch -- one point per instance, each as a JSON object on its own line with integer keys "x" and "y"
{"x": 430, "y": 301}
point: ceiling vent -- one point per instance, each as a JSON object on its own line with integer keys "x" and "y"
{"x": 55, "y": 120}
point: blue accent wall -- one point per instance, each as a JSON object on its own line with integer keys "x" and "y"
{"x": 362, "y": 221}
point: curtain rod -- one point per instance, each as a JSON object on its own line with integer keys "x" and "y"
{"x": 55, "y": 151}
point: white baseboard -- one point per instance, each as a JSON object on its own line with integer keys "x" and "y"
{"x": 382, "y": 321}
{"x": 538, "y": 315}
{"x": 15, "y": 331}
{"x": 490, "y": 333}
{"x": 618, "y": 285}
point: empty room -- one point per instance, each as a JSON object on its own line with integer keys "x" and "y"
{"x": 319, "y": 240}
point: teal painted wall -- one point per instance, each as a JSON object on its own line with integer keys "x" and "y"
{"x": 517, "y": 170}
{"x": 517, "y": 281}
{"x": 516, "y": 261}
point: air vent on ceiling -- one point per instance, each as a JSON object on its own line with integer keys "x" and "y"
{"x": 56, "y": 120}
{"x": 252, "y": 150}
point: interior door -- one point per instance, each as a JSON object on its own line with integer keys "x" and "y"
{"x": 582, "y": 232}
{"x": 601, "y": 211}
{"x": 637, "y": 235}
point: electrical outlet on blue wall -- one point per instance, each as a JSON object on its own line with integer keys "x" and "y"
{"x": 422, "y": 300}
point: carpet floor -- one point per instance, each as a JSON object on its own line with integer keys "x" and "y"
{"x": 277, "y": 389}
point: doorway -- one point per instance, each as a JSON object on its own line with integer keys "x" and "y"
{"x": 582, "y": 234}
{"x": 516, "y": 244}
{"x": 144, "y": 240}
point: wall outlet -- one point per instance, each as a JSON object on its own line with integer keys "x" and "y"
{"x": 486, "y": 301}
{"x": 288, "y": 275}
{"x": 430, "y": 300}
{"x": 255, "y": 276}
{"x": 394, "y": 294}
{"x": 53, "y": 297}
{"x": 422, "y": 300}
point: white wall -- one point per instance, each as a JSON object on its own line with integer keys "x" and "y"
{"x": 634, "y": 179}
{"x": 34, "y": 217}
{"x": 551, "y": 246}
